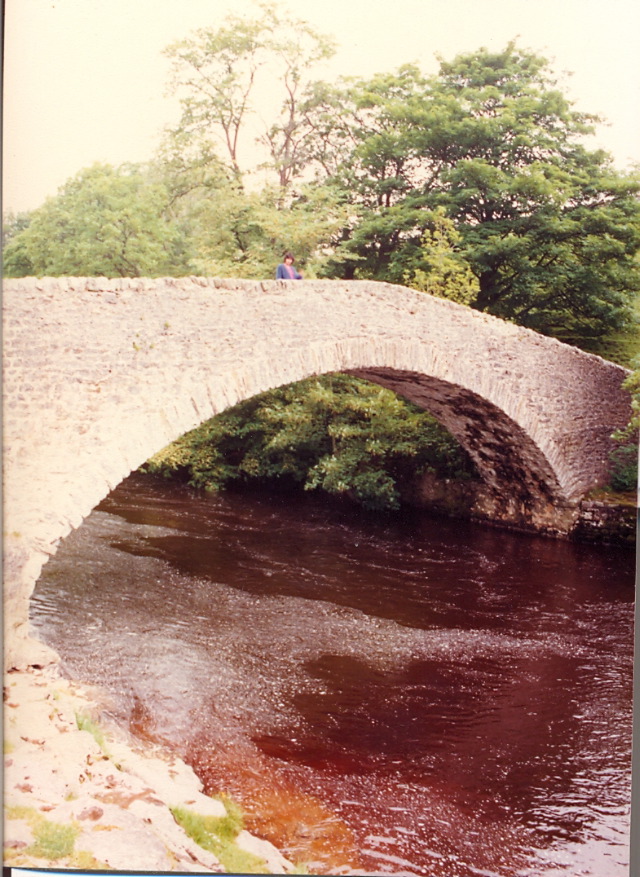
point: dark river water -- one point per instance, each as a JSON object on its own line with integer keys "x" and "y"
{"x": 383, "y": 695}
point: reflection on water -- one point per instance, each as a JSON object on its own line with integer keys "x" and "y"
{"x": 400, "y": 695}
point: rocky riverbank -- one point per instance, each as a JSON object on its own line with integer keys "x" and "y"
{"x": 81, "y": 794}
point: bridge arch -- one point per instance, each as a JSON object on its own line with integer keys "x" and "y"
{"x": 100, "y": 374}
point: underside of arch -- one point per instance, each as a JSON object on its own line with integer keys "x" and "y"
{"x": 516, "y": 474}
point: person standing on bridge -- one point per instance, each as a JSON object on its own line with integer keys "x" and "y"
{"x": 285, "y": 270}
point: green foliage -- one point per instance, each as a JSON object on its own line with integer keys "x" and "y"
{"x": 445, "y": 272}
{"x": 624, "y": 459}
{"x": 104, "y": 222}
{"x": 235, "y": 229}
{"x": 632, "y": 385}
{"x": 549, "y": 229}
{"x": 217, "y": 835}
{"x": 15, "y": 259}
{"x": 245, "y": 234}
{"x": 624, "y": 474}
{"x": 12, "y": 225}
{"x": 339, "y": 434}
{"x": 621, "y": 346}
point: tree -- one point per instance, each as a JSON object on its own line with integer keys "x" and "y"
{"x": 15, "y": 259}
{"x": 296, "y": 47}
{"x": 13, "y": 224}
{"x": 217, "y": 74}
{"x": 445, "y": 272}
{"x": 338, "y": 434}
{"x": 632, "y": 384}
{"x": 551, "y": 230}
{"x": 104, "y": 221}
{"x": 237, "y": 229}
{"x": 365, "y": 142}
{"x": 625, "y": 458}
{"x": 548, "y": 227}
{"x": 233, "y": 233}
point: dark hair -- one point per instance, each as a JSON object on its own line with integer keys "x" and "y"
{"x": 288, "y": 255}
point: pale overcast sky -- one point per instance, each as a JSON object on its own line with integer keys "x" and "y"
{"x": 85, "y": 80}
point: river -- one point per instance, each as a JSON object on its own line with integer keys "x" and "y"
{"x": 383, "y": 694}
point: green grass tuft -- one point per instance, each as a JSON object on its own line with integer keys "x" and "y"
{"x": 86, "y": 723}
{"x": 51, "y": 840}
{"x": 85, "y": 861}
{"x": 217, "y": 835}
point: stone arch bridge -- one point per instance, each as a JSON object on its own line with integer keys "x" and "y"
{"x": 100, "y": 374}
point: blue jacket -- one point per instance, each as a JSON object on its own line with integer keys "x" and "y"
{"x": 287, "y": 272}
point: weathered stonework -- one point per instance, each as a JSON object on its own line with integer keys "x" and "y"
{"x": 601, "y": 521}
{"x": 613, "y": 520}
{"x": 101, "y": 373}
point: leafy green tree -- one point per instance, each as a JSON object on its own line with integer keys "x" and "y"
{"x": 231, "y": 232}
{"x": 214, "y": 74}
{"x": 624, "y": 459}
{"x": 632, "y": 384}
{"x": 624, "y": 468}
{"x": 313, "y": 217}
{"x": 548, "y": 227}
{"x": 364, "y": 140}
{"x": 104, "y": 221}
{"x": 338, "y": 434}
{"x": 15, "y": 260}
{"x": 445, "y": 273}
{"x": 13, "y": 224}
